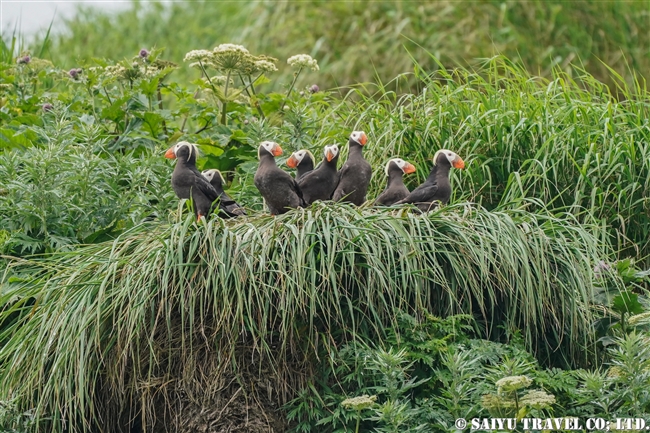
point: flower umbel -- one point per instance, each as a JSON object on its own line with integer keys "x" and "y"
{"x": 513, "y": 383}
{"x": 359, "y": 403}
{"x": 232, "y": 58}
{"x": 197, "y": 55}
{"x": 538, "y": 399}
{"x": 303, "y": 61}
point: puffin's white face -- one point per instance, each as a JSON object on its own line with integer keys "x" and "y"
{"x": 272, "y": 147}
{"x": 297, "y": 157}
{"x": 455, "y": 160}
{"x": 405, "y": 166}
{"x": 300, "y": 155}
{"x": 210, "y": 174}
{"x": 331, "y": 152}
{"x": 172, "y": 152}
{"x": 359, "y": 136}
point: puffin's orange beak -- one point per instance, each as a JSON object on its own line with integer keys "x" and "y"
{"x": 277, "y": 150}
{"x": 364, "y": 139}
{"x": 329, "y": 155}
{"x": 170, "y": 153}
{"x": 292, "y": 161}
{"x": 409, "y": 168}
{"x": 459, "y": 163}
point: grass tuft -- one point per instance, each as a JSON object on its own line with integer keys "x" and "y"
{"x": 149, "y": 308}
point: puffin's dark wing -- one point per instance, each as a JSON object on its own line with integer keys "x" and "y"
{"x": 205, "y": 187}
{"x": 422, "y": 194}
{"x": 230, "y": 206}
{"x": 389, "y": 197}
{"x": 296, "y": 188}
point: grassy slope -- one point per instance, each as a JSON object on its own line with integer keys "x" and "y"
{"x": 139, "y": 311}
{"x": 357, "y": 41}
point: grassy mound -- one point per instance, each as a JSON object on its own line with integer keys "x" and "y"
{"x": 91, "y": 334}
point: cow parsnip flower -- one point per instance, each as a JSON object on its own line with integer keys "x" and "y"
{"x": 232, "y": 58}
{"x": 197, "y": 55}
{"x": 538, "y": 399}
{"x": 359, "y": 403}
{"x": 303, "y": 61}
{"x": 264, "y": 66}
{"x": 513, "y": 383}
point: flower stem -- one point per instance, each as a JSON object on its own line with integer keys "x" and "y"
{"x": 251, "y": 84}
{"x": 356, "y": 430}
{"x": 295, "y": 77}
{"x": 225, "y": 100}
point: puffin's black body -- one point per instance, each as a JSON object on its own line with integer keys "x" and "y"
{"x": 226, "y": 206}
{"x": 354, "y": 176}
{"x": 436, "y": 188}
{"x": 319, "y": 184}
{"x": 188, "y": 182}
{"x": 395, "y": 189}
{"x": 302, "y": 161}
{"x": 280, "y": 191}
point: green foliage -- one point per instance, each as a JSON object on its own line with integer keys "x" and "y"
{"x": 70, "y": 189}
{"x": 360, "y": 41}
{"x": 469, "y": 378}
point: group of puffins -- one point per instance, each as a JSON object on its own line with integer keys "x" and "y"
{"x": 282, "y": 192}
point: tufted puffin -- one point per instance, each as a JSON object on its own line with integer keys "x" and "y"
{"x": 188, "y": 182}
{"x": 395, "y": 190}
{"x": 354, "y": 176}
{"x": 227, "y": 207}
{"x": 319, "y": 184}
{"x": 436, "y": 188}
{"x": 301, "y": 160}
{"x": 280, "y": 191}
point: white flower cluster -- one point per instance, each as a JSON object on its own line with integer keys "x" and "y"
{"x": 538, "y": 399}
{"x": 265, "y": 66}
{"x": 231, "y": 58}
{"x": 359, "y": 403}
{"x": 303, "y": 61}
{"x": 513, "y": 383}
{"x": 117, "y": 71}
{"x": 199, "y": 55}
{"x": 225, "y": 48}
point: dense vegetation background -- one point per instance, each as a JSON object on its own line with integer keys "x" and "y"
{"x": 527, "y": 296}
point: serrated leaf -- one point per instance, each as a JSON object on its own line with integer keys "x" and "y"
{"x": 627, "y": 302}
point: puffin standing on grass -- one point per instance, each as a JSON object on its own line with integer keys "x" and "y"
{"x": 188, "y": 182}
{"x": 302, "y": 161}
{"x": 319, "y": 184}
{"x": 354, "y": 176}
{"x": 227, "y": 207}
{"x": 436, "y": 188}
{"x": 280, "y": 191}
{"x": 395, "y": 190}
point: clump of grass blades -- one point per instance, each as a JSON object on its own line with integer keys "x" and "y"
{"x": 561, "y": 144}
{"x": 140, "y": 310}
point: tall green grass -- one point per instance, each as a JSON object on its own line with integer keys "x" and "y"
{"x": 557, "y": 144}
{"x": 97, "y": 331}
{"x": 359, "y": 41}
